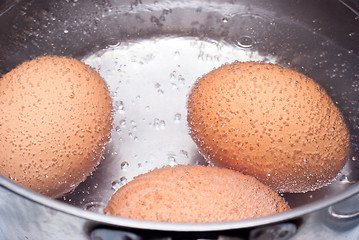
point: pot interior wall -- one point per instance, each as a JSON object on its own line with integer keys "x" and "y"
{"x": 112, "y": 35}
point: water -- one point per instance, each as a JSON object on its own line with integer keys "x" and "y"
{"x": 149, "y": 81}
{"x": 174, "y": 63}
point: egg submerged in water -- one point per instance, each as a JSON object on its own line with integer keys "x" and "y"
{"x": 194, "y": 194}
{"x": 269, "y": 122}
{"x": 55, "y": 118}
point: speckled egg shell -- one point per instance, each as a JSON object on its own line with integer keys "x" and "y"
{"x": 269, "y": 122}
{"x": 55, "y": 118}
{"x": 194, "y": 194}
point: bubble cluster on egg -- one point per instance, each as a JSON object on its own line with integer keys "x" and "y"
{"x": 55, "y": 118}
{"x": 270, "y": 122}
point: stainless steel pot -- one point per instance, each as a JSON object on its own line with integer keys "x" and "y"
{"x": 133, "y": 44}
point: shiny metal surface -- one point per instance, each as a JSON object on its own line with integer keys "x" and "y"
{"x": 150, "y": 53}
{"x": 30, "y": 216}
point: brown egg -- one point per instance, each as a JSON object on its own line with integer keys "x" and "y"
{"x": 55, "y": 118}
{"x": 194, "y": 194}
{"x": 269, "y": 122}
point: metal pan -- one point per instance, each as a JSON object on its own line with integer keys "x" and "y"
{"x": 146, "y": 51}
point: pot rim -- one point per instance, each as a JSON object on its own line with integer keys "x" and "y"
{"x": 179, "y": 227}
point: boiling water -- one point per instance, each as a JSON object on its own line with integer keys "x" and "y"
{"x": 149, "y": 81}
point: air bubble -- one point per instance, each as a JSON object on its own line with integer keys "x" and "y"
{"x": 157, "y": 123}
{"x": 97, "y": 207}
{"x": 266, "y": 60}
{"x": 162, "y": 124}
{"x": 12, "y": 178}
{"x": 123, "y": 180}
{"x": 117, "y": 184}
{"x": 172, "y": 75}
{"x": 113, "y": 94}
{"x": 134, "y": 125}
{"x": 124, "y": 165}
{"x": 172, "y": 159}
{"x": 178, "y": 117}
{"x": 119, "y": 105}
{"x": 114, "y": 45}
{"x": 245, "y": 42}
{"x": 184, "y": 153}
{"x": 181, "y": 79}
{"x": 123, "y": 123}
{"x": 343, "y": 179}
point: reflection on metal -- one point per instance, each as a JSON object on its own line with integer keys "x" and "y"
{"x": 350, "y": 5}
{"x": 337, "y": 215}
{"x": 107, "y": 234}
{"x": 277, "y": 232}
{"x": 345, "y": 210}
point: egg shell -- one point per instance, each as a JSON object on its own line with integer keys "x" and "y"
{"x": 55, "y": 119}
{"x": 269, "y": 122}
{"x": 194, "y": 194}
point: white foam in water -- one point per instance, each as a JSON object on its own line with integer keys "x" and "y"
{"x": 149, "y": 81}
